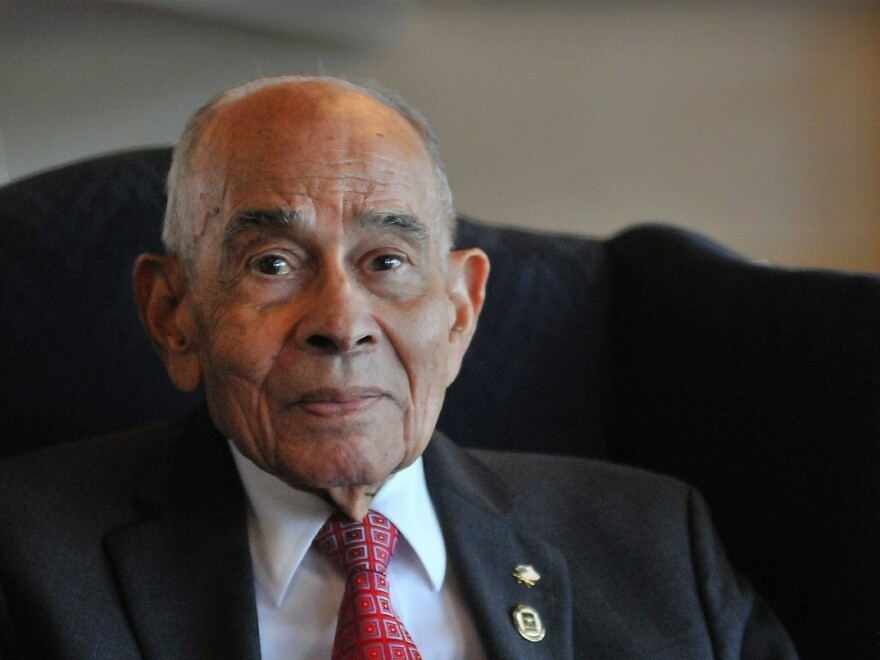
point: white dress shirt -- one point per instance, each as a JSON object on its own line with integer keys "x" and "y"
{"x": 299, "y": 590}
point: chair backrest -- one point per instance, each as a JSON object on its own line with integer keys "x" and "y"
{"x": 760, "y": 385}
{"x": 656, "y": 347}
{"x": 76, "y": 361}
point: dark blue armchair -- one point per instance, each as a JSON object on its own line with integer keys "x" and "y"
{"x": 655, "y": 347}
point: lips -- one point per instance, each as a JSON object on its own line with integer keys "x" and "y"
{"x": 331, "y": 402}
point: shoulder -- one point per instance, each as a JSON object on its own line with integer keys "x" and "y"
{"x": 57, "y": 507}
{"x": 92, "y": 477}
{"x": 76, "y": 461}
{"x": 58, "y": 504}
{"x": 621, "y": 510}
{"x": 587, "y": 481}
{"x": 644, "y": 543}
{"x": 556, "y": 493}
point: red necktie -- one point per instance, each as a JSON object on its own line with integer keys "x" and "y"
{"x": 368, "y": 628}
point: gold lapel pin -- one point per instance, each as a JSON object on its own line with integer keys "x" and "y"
{"x": 526, "y": 574}
{"x": 528, "y": 623}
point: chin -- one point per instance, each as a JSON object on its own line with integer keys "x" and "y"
{"x": 344, "y": 467}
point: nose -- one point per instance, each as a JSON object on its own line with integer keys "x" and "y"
{"x": 338, "y": 319}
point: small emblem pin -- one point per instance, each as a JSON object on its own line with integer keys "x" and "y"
{"x": 528, "y": 623}
{"x": 526, "y": 574}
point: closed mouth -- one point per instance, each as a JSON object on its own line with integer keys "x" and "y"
{"x": 331, "y": 402}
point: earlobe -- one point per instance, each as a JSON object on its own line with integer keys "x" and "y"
{"x": 466, "y": 287}
{"x": 160, "y": 295}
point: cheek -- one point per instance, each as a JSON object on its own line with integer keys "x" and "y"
{"x": 238, "y": 351}
{"x": 424, "y": 343}
{"x": 237, "y": 357}
{"x": 423, "y": 350}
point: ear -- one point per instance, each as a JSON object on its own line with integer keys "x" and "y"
{"x": 468, "y": 272}
{"x": 160, "y": 292}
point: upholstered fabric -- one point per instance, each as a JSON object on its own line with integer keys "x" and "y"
{"x": 656, "y": 347}
{"x": 75, "y": 359}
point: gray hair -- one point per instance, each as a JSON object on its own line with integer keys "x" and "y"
{"x": 177, "y": 232}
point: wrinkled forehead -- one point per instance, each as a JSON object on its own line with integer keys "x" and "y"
{"x": 303, "y": 130}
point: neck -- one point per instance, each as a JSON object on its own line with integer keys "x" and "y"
{"x": 354, "y": 501}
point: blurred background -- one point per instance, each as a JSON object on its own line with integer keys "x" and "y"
{"x": 757, "y": 124}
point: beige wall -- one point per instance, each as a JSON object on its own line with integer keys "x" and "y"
{"x": 756, "y": 123}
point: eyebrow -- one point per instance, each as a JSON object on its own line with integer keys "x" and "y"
{"x": 275, "y": 220}
{"x": 284, "y": 220}
{"x": 409, "y": 224}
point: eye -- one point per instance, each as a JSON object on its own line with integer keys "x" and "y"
{"x": 386, "y": 262}
{"x": 272, "y": 264}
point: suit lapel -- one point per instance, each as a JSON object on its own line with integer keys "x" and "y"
{"x": 186, "y": 580}
{"x": 184, "y": 572}
{"x": 484, "y": 547}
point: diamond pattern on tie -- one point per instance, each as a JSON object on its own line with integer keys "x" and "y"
{"x": 368, "y": 628}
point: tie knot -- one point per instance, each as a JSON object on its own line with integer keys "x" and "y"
{"x": 358, "y": 545}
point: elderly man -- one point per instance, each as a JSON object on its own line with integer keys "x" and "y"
{"x": 311, "y": 510}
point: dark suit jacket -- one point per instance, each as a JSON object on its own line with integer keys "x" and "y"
{"x": 135, "y": 546}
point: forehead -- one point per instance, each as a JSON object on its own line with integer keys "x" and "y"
{"x": 311, "y": 139}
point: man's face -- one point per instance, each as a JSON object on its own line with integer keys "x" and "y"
{"x": 320, "y": 303}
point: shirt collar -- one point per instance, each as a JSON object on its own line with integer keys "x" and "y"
{"x": 282, "y": 521}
